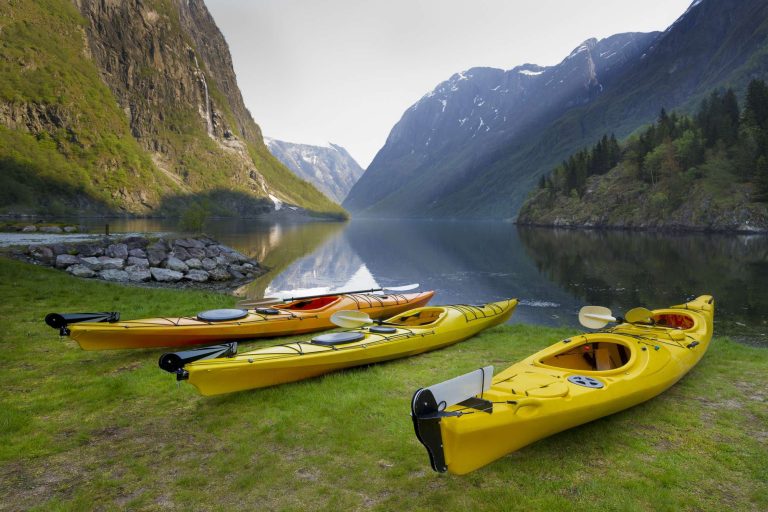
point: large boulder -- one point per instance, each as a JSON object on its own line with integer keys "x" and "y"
{"x": 196, "y": 252}
{"x": 112, "y": 274}
{"x": 139, "y": 262}
{"x": 81, "y": 271}
{"x": 51, "y": 229}
{"x": 194, "y": 263}
{"x": 117, "y": 251}
{"x": 156, "y": 253}
{"x": 29, "y": 229}
{"x": 176, "y": 264}
{"x": 219, "y": 274}
{"x": 108, "y": 263}
{"x": 208, "y": 263}
{"x": 199, "y": 276}
{"x": 87, "y": 250}
{"x": 138, "y": 273}
{"x": 70, "y": 229}
{"x": 135, "y": 242}
{"x": 137, "y": 253}
{"x": 66, "y": 260}
{"x": 180, "y": 252}
{"x": 91, "y": 262}
{"x": 42, "y": 253}
{"x": 165, "y": 275}
{"x": 212, "y": 251}
{"x": 190, "y": 242}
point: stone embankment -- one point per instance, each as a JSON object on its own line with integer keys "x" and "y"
{"x": 139, "y": 260}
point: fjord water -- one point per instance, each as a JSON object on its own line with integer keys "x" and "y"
{"x": 552, "y": 272}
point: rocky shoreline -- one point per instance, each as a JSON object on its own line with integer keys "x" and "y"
{"x": 138, "y": 260}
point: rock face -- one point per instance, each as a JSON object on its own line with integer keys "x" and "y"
{"x": 329, "y": 168}
{"x": 162, "y": 266}
{"x": 154, "y": 83}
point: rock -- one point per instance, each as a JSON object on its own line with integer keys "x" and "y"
{"x": 212, "y": 251}
{"x": 70, "y": 229}
{"x": 190, "y": 242}
{"x": 117, "y": 251}
{"x": 180, "y": 252}
{"x": 137, "y": 253}
{"x": 111, "y": 263}
{"x": 195, "y": 252}
{"x": 59, "y": 249}
{"x": 91, "y": 262}
{"x": 135, "y": 242}
{"x": 209, "y": 264}
{"x": 81, "y": 271}
{"x": 87, "y": 250}
{"x": 29, "y": 229}
{"x": 42, "y": 253}
{"x": 156, "y": 256}
{"x": 175, "y": 263}
{"x": 233, "y": 256}
{"x": 219, "y": 274}
{"x": 194, "y": 263}
{"x": 242, "y": 269}
{"x": 66, "y": 260}
{"x": 50, "y": 229}
{"x": 112, "y": 274}
{"x": 165, "y": 274}
{"x": 137, "y": 262}
{"x": 221, "y": 261}
{"x": 138, "y": 273}
{"x": 199, "y": 276}
{"x": 236, "y": 275}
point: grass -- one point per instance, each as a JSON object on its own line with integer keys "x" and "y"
{"x": 85, "y": 430}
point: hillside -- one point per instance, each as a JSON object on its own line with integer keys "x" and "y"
{"x": 713, "y": 44}
{"x": 329, "y": 168}
{"x": 708, "y": 172}
{"x": 132, "y": 108}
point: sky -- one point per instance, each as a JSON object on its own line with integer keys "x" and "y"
{"x": 344, "y": 71}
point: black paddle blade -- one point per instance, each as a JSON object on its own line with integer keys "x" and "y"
{"x": 172, "y": 362}
{"x": 61, "y": 320}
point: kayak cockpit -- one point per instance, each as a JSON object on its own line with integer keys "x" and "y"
{"x": 311, "y": 304}
{"x": 418, "y": 317}
{"x": 593, "y": 356}
{"x": 674, "y": 320}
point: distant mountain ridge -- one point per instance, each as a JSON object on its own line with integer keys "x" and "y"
{"x": 329, "y": 168}
{"x": 131, "y": 107}
{"x": 466, "y": 150}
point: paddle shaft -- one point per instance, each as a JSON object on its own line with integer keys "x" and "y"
{"x": 330, "y": 294}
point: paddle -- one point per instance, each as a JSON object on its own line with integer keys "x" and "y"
{"x": 351, "y": 319}
{"x": 266, "y": 301}
{"x": 597, "y": 317}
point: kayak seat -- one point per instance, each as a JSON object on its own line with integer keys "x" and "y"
{"x": 338, "y": 338}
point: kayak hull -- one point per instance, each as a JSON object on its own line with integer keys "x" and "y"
{"x": 302, "y": 360}
{"x": 296, "y": 317}
{"x": 574, "y": 382}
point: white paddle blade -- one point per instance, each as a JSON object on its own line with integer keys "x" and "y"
{"x": 350, "y": 319}
{"x": 254, "y": 303}
{"x": 595, "y": 317}
{"x": 458, "y": 389}
{"x": 639, "y": 316}
{"x": 404, "y": 288}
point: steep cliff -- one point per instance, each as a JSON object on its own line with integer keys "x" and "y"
{"x": 131, "y": 106}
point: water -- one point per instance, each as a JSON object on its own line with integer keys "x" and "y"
{"x": 552, "y": 272}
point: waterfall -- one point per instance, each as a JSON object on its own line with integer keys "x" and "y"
{"x": 208, "y": 120}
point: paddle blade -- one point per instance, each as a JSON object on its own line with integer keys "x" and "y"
{"x": 639, "y": 316}
{"x": 255, "y": 303}
{"x": 595, "y": 317}
{"x": 404, "y": 288}
{"x": 350, "y": 319}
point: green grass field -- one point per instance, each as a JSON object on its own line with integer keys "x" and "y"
{"x": 110, "y": 430}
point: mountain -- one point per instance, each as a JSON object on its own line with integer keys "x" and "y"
{"x": 329, "y": 168}
{"x": 477, "y": 144}
{"x": 130, "y": 107}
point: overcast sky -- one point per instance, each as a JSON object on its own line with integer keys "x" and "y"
{"x": 344, "y": 71}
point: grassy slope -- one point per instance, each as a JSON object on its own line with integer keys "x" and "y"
{"x": 78, "y": 428}
{"x": 97, "y": 154}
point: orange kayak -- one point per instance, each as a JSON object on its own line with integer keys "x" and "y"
{"x": 295, "y": 317}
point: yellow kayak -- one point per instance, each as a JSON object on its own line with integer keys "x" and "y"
{"x": 104, "y": 332}
{"x": 409, "y": 333}
{"x": 482, "y": 417}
